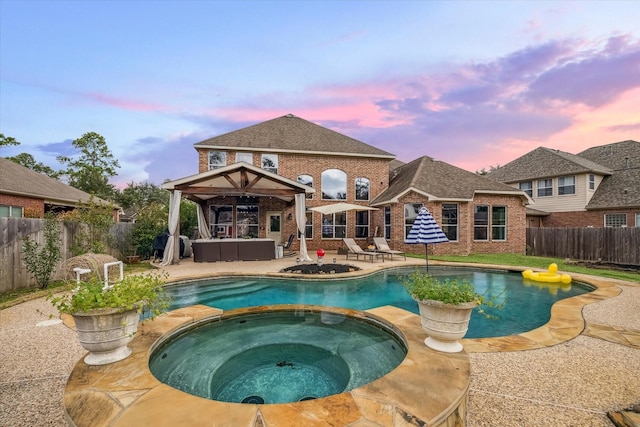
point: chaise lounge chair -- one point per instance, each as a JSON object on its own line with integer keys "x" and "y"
{"x": 356, "y": 250}
{"x": 383, "y": 246}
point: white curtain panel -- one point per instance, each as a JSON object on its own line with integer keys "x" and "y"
{"x": 174, "y": 218}
{"x": 301, "y": 221}
{"x": 203, "y": 229}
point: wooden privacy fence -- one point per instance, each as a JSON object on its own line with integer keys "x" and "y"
{"x": 13, "y": 271}
{"x": 614, "y": 245}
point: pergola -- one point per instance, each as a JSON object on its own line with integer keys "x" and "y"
{"x": 238, "y": 179}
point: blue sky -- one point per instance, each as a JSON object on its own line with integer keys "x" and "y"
{"x": 472, "y": 83}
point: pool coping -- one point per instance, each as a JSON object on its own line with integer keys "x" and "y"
{"x": 427, "y": 388}
{"x": 566, "y": 321}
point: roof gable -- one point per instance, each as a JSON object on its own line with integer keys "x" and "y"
{"x": 544, "y": 163}
{"x": 440, "y": 181}
{"x": 295, "y": 135}
{"x": 19, "y": 180}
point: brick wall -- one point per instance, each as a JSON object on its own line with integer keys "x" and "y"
{"x": 33, "y": 208}
{"x": 586, "y": 218}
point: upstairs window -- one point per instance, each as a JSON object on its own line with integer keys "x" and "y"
{"x": 308, "y": 181}
{"x": 545, "y": 187}
{"x": 334, "y": 184}
{"x": 592, "y": 182}
{"x": 566, "y": 185}
{"x": 244, "y": 157}
{"x": 450, "y": 221}
{"x": 615, "y": 220}
{"x": 270, "y": 163}
{"x": 527, "y": 187}
{"x": 217, "y": 159}
{"x": 362, "y": 188}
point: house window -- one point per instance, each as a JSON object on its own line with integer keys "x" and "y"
{"x": 247, "y": 221}
{"x": 638, "y": 220}
{"x": 615, "y": 220}
{"x": 308, "y": 228}
{"x": 308, "y": 181}
{"x": 545, "y": 187}
{"x": 221, "y": 221}
{"x": 334, "y": 226}
{"x": 362, "y": 224}
{"x": 334, "y": 184}
{"x": 270, "y": 163}
{"x": 498, "y": 223}
{"x": 244, "y": 157}
{"x": 217, "y": 159}
{"x": 362, "y": 188}
{"x": 387, "y": 222}
{"x": 410, "y": 213}
{"x": 527, "y": 187}
{"x": 592, "y": 182}
{"x": 11, "y": 211}
{"x": 450, "y": 221}
{"x": 481, "y": 222}
{"x": 566, "y": 185}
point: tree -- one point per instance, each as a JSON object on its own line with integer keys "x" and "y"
{"x": 41, "y": 259}
{"x": 92, "y": 221}
{"x": 483, "y": 171}
{"x": 5, "y": 141}
{"x": 136, "y": 196}
{"x": 91, "y": 170}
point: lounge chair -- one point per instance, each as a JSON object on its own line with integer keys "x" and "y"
{"x": 383, "y": 247}
{"x": 356, "y": 250}
{"x": 287, "y": 247}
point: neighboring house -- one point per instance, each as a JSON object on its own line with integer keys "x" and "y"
{"x": 598, "y": 187}
{"x": 26, "y": 193}
{"x": 248, "y": 178}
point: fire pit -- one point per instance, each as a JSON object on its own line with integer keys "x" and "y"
{"x": 320, "y": 269}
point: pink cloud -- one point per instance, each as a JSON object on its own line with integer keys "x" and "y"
{"x": 122, "y": 103}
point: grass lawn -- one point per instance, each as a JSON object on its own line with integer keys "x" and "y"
{"x": 536, "y": 262}
{"x": 11, "y": 298}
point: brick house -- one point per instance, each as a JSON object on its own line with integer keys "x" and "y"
{"x": 26, "y": 193}
{"x": 598, "y": 187}
{"x": 288, "y": 155}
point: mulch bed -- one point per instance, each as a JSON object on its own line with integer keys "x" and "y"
{"x": 320, "y": 269}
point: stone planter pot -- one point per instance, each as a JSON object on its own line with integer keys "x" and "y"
{"x": 105, "y": 333}
{"x": 445, "y": 324}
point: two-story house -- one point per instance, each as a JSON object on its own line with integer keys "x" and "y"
{"x": 247, "y": 182}
{"x": 598, "y": 187}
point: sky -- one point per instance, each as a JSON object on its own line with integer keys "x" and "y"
{"x": 472, "y": 83}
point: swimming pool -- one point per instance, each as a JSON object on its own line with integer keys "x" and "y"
{"x": 527, "y": 305}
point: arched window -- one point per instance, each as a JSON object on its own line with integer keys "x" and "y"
{"x": 362, "y": 188}
{"x": 306, "y": 180}
{"x": 334, "y": 185}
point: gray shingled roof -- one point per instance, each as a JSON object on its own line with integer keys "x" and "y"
{"x": 294, "y": 135}
{"x": 441, "y": 181}
{"x": 620, "y": 190}
{"x": 544, "y": 163}
{"x": 617, "y": 156}
{"x": 19, "y": 180}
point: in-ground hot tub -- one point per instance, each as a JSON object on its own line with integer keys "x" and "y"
{"x": 278, "y": 355}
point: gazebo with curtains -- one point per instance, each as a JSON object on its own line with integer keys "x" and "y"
{"x": 238, "y": 179}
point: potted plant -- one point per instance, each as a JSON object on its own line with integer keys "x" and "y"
{"x": 107, "y": 316}
{"x": 445, "y": 308}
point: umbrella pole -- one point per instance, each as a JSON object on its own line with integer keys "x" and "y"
{"x": 426, "y": 255}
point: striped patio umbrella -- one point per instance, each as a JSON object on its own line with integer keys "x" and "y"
{"x": 425, "y": 230}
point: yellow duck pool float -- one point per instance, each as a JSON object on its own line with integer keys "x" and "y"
{"x": 550, "y": 276}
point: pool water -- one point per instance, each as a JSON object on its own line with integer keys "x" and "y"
{"x": 278, "y": 356}
{"x": 525, "y": 305}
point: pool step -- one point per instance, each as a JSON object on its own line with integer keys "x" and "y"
{"x": 205, "y": 294}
